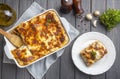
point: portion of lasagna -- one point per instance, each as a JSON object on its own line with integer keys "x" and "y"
{"x": 93, "y": 53}
{"x": 41, "y": 35}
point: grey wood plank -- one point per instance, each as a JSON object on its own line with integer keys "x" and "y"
{"x": 23, "y": 5}
{"x": 67, "y": 67}
{"x": 22, "y": 74}
{"x": 1, "y": 53}
{"x": 1, "y": 50}
{"x": 54, "y": 4}
{"x": 83, "y": 26}
{"x": 53, "y": 72}
{"x": 32, "y": 77}
{"x": 96, "y": 5}
{"x": 114, "y": 72}
{"x": 101, "y": 76}
{"x": 9, "y": 69}
{"x": 66, "y": 64}
{"x": 43, "y": 3}
{"x": 1, "y": 1}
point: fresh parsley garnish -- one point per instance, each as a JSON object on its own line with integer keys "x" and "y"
{"x": 110, "y": 18}
{"x": 49, "y": 20}
{"x": 93, "y": 54}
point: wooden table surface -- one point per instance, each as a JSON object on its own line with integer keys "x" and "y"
{"x": 64, "y": 68}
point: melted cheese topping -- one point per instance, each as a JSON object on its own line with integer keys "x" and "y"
{"x": 93, "y": 53}
{"x": 42, "y": 35}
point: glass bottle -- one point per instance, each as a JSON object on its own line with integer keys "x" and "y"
{"x": 7, "y": 15}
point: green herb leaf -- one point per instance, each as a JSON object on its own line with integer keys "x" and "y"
{"x": 93, "y": 54}
{"x": 110, "y": 18}
{"x": 49, "y": 20}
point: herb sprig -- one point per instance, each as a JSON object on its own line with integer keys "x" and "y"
{"x": 93, "y": 54}
{"x": 110, "y": 18}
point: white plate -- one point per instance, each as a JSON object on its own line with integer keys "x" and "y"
{"x": 100, "y": 66}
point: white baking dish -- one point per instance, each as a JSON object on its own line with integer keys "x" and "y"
{"x": 8, "y": 47}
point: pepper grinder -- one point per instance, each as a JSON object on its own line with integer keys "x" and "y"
{"x": 78, "y": 7}
{"x": 66, "y": 6}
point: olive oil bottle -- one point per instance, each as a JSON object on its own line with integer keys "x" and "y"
{"x": 7, "y": 15}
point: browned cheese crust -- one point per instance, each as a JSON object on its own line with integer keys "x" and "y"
{"x": 42, "y": 35}
{"x": 93, "y": 53}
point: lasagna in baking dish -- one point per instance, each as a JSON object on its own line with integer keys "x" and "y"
{"x": 93, "y": 53}
{"x": 41, "y": 35}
